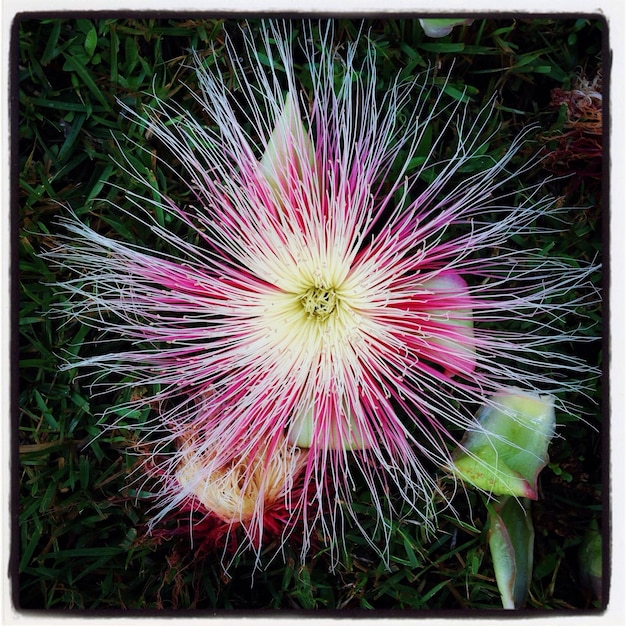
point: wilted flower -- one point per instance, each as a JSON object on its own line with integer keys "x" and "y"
{"x": 323, "y": 295}
{"x": 576, "y": 149}
{"x": 254, "y": 493}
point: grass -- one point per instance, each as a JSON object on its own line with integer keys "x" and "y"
{"x": 80, "y": 529}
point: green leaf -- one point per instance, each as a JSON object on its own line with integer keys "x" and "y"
{"x": 590, "y": 559}
{"x": 443, "y": 48}
{"x": 511, "y": 538}
{"x": 91, "y": 41}
{"x": 29, "y": 546}
{"x": 51, "y": 49}
{"x": 81, "y": 70}
{"x": 71, "y": 137}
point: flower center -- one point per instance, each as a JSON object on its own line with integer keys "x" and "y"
{"x": 319, "y": 302}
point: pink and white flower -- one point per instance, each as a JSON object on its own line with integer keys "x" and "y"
{"x": 324, "y": 302}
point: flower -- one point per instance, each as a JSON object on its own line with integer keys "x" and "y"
{"x": 253, "y": 494}
{"x": 316, "y": 293}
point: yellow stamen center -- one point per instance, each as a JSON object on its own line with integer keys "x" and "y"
{"x": 319, "y": 302}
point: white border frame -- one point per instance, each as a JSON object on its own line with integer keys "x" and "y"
{"x": 613, "y": 10}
